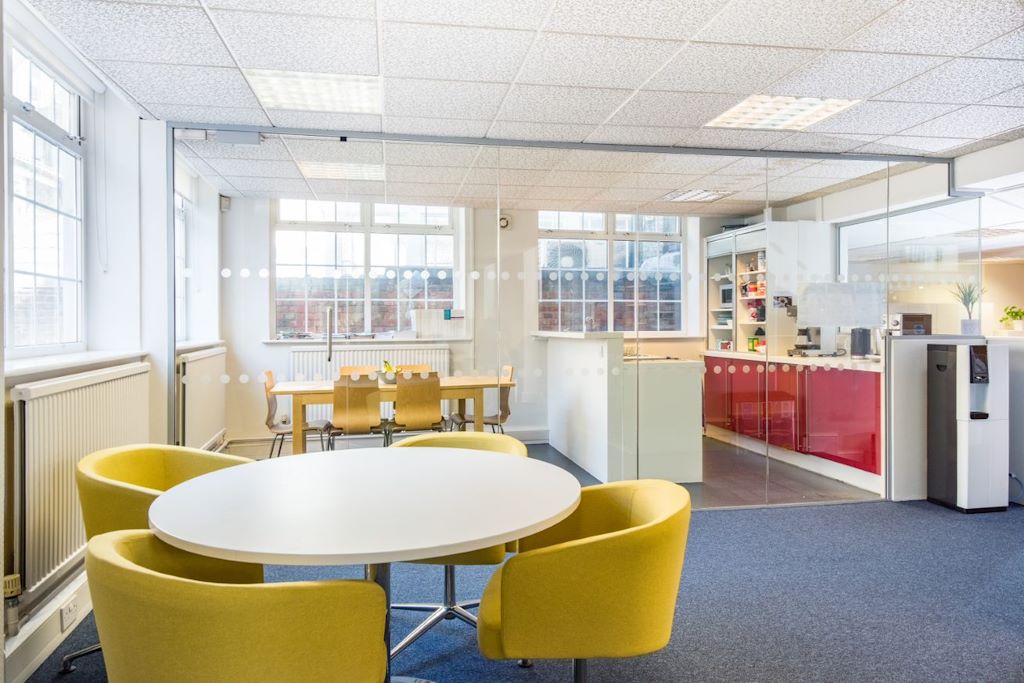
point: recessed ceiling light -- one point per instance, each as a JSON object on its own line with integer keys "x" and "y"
{"x": 315, "y": 92}
{"x": 775, "y": 112}
{"x": 695, "y": 196}
{"x": 339, "y": 170}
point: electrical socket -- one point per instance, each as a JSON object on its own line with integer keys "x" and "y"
{"x": 68, "y": 615}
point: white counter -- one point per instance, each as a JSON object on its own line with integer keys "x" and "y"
{"x": 839, "y": 362}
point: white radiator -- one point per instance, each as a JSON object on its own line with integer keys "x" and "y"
{"x": 310, "y": 363}
{"x": 57, "y": 422}
{"x": 201, "y": 397}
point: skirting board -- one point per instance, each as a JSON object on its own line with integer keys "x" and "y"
{"x": 833, "y": 470}
{"x": 41, "y": 634}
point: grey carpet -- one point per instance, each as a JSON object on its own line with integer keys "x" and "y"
{"x": 859, "y": 592}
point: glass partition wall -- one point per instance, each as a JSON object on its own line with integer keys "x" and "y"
{"x": 717, "y": 320}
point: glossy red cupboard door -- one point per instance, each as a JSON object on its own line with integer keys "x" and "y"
{"x": 843, "y": 420}
{"x": 717, "y": 409}
{"x": 748, "y": 392}
{"x": 783, "y": 406}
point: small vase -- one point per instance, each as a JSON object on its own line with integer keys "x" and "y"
{"x": 970, "y": 327}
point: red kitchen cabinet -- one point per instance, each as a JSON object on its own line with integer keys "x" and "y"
{"x": 842, "y": 418}
{"x": 717, "y": 391}
{"x": 748, "y": 397}
{"x": 783, "y": 406}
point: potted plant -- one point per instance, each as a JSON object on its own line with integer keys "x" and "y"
{"x": 968, "y": 295}
{"x": 1014, "y": 316}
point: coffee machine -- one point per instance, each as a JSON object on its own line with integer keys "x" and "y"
{"x": 814, "y": 341}
{"x": 968, "y": 426}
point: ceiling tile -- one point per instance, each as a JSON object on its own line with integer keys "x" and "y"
{"x": 599, "y": 160}
{"x": 213, "y": 115}
{"x": 190, "y": 3}
{"x": 796, "y": 184}
{"x": 791, "y": 23}
{"x": 264, "y": 168}
{"x": 964, "y": 81}
{"x": 852, "y": 75}
{"x": 288, "y": 118}
{"x": 347, "y": 188}
{"x": 548, "y": 103}
{"x": 947, "y": 27}
{"x": 332, "y": 150}
{"x": 840, "y": 169}
{"x": 731, "y": 138}
{"x": 506, "y": 177}
{"x": 730, "y": 183}
{"x": 515, "y": 130}
{"x": 281, "y": 185}
{"x": 1009, "y": 46}
{"x": 979, "y": 121}
{"x": 560, "y": 178}
{"x": 566, "y": 193}
{"x": 522, "y": 14}
{"x": 418, "y": 154}
{"x": 473, "y": 54}
{"x": 442, "y": 99}
{"x": 143, "y": 33}
{"x": 683, "y": 110}
{"x": 269, "y": 148}
{"x": 686, "y": 163}
{"x": 594, "y": 61}
{"x": 817, "y": 142}
{"x": 906, "y": 144}
{"x": 765, "y": 166}
{"x": 529, "y": 158}
{"x": 1010, "y": 98}
{"x": 638, "y": 194}
{"x": 432, "y": 189}
{"x": 669, "y": 19}
{"x": 484, "y": 190}
{"x": 295, "y": 43}
{"x": 412, "y": 125}
{"x": 355, "y": 9}
{"x": 176, "y": 84}
{"x": 880, "y": 118}
{"x": 743, "y": 69}
{"x": 660, "y": 182}
{"x": 425, "y": 174}
{"x": 638, "y": 135}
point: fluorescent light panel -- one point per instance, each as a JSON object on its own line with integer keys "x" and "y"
{"x": 695, "y": 196}
{"x": 304, "y": 91}
{"x": 774, "y": 112}
{"x": 341, "y": 170}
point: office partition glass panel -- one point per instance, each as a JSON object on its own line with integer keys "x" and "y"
{"x": 1002, "y": 263}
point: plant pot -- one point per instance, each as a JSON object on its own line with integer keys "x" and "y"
{"x": 1017, "y": 325}
{"x": 970, "y": 327}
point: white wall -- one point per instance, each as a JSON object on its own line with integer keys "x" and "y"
{"x": 203, "y": 252}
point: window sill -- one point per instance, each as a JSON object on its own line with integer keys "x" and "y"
{"x": 189, "y": 346}
{"x": 344, "y": 342}
{"x": 25, "y": 367}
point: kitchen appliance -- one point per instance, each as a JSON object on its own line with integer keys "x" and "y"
{"x": 968, "y": 426}
{"x": 909, "y": 323}
{"x": 725, "y": 293}
{"x": 808, "y": 338}
{"x": 860, "y": 342}
{"x": 815, "y": 341}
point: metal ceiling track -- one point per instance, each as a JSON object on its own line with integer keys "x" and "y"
{"x": 552, "y": 144}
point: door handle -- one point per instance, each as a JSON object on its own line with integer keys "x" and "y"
{"x": 330, "y": 332}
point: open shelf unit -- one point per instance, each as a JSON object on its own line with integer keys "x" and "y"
{"x": 737, "y": 305}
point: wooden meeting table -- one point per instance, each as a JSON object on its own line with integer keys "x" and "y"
{"x": 318, "y": 392}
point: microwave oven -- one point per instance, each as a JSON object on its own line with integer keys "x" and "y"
{"x": 900, "y": 324}
{"x": 725, "y": 297}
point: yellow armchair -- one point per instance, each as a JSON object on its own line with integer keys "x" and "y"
{"x": 117, "y": 485}
{"x": 451, "y": 606}
{"x": 166, "y": 615}
{"x": 601, "y": 583}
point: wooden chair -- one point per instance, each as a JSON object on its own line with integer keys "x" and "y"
{"x": 417, "y": 404}
{"x": 282, "y": 428}
{"x": 495, "y": 422}
{"x": 356, "y": 407}
{"x": 415, "y": 368}
{"x": 349, "y": 370}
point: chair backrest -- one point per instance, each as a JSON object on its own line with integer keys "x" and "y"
{"x": 117, "y": 485}
{"x": 422, "y": 367}
{"x": 357, "y": 370}
{"x": 417, "y": 400}
{"x": 268, "y": 384}
{"x": 480, "y": 441}
{"x": 167, "y": 615}
{"x": 504, "y": 392}
{"x": 356, "y": 403}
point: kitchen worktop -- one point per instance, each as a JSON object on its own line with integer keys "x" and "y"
{"x": 829, "y": 362}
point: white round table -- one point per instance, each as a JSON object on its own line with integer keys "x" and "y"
{"x": 369, "y": 506}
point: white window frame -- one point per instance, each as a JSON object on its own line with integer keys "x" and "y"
{"x": 74, "y": 144}
{"x": 367, "y": 227}
{"x": 610, "y": 236}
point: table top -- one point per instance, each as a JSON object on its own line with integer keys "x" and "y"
{"x": 321, "y": 386}
{"x": 364, "y": 506}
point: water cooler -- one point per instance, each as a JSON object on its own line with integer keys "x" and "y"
{"x": 968, "y": 426}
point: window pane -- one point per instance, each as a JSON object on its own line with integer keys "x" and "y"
{"x": 623, "y": 312}
{"x": 547, "y": 317}
{"x": 47, "y": 310}
{"x": 647, "y": 317}
{"x": 319, "y": 212}
{"x": 549, "y": 284}
{"x": 68, "y": 188}
{"x": 572, "y": 284}
{"x": 46, "y": 172}
{"x": 351, "y": 283}
{"x": 596, "y": 285}
{"x": 383, "y": 250}
{"x": 440, "y": 250}
{"x": 438, "y": 215}
{"x": 384, "y": 284}
{"x": 349, "y": 212}
{"x": 320, "y": 282}
{"x": 320, "y": 248}
{"x": 412, "y": 214}
{"x": 596, "y": 316}
{"x": 625, "y": 222}
{"x": 47, "y": 260}
{"x": 411, "y": 285}
{"x": 570, "y": 220}
{"x": 350, "y": 249}
{"x": 316, "y": 317}
{"x": 23, "y": 298}
{"x": 383, "y": 316}
{"x": 647, "y": 286}
{"x": 441, "y": 284}
{"x": 290, "y": 282}
{"x": 571, "y": 316}
{"x": 20, "y": 68}
{"x": 547, "y": 251}
{"x": 290, "y": 317}
{"x": 593, "y": 221}
{"x": 412, "y": 250}
{"x": 670, "y": 316}
{"x": 69, "y": 296}
{"x": 547, "y": 220}
{"x": 42, "y": 92}
{"x": 292, "y": 209}
{"x": 24, "y": 235}
{"x": 62, "y": 100}
{"x": 571, "y": 254}
{"x": 385, "y": 214}
{"x": 290, "y": 246}
{"x": 24, "y": 161}
{"x": 351, "y": 317}
{"x": 596, "y": 254}
{"x": 69, "y": 253}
